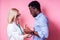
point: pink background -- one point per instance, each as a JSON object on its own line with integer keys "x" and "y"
{"x": 51, "y": 8}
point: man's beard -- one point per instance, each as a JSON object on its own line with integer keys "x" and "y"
{"x": 34, "y": 15}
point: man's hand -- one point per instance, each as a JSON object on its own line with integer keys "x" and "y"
{"x": 27, "y": 30}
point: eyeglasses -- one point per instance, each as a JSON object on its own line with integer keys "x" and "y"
{"x": 18, "y": 15}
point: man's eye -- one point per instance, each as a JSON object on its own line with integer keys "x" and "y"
{"x": 33, "y": 7}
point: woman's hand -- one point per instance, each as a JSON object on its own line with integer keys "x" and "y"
{"x": 27, "y": 35}
{"x": 27, "y": 30}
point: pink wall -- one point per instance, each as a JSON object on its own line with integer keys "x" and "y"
{"x": 49, "y": 7}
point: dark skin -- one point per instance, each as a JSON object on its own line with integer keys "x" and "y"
{"x": 27, "y": 30}
{"x": 34, "y": 13}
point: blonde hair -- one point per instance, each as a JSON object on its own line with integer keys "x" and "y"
{"x": 13, "y": 13}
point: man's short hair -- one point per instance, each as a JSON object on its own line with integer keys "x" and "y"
{"x": 35, "y": 4}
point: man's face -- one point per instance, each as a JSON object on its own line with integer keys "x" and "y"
{"x": 33, "y": 11}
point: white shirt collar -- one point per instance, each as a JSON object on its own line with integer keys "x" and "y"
{"x": 40, "y": 14}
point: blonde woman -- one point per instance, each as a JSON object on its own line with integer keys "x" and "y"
{"x": 14, "y": 30}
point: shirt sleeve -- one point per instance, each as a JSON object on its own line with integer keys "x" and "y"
{"x": 41, "y": 27}
{"x": 13, "y": 33}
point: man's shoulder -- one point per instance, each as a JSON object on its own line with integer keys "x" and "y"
{"x": 42, "y": 17}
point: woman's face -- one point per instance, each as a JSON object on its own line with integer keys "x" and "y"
{"x": 18, "y": 17}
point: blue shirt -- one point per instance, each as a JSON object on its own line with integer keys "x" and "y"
{"x": 41, "y": 26}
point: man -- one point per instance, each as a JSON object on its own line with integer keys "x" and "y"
{"x": 40, "y": 31}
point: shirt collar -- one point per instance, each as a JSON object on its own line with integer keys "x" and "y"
{"x": 40, "y": 14}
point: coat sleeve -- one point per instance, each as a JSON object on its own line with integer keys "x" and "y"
{"x": 13, "y": 33}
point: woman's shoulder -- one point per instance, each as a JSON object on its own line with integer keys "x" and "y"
{"x": 10, "y": 26}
